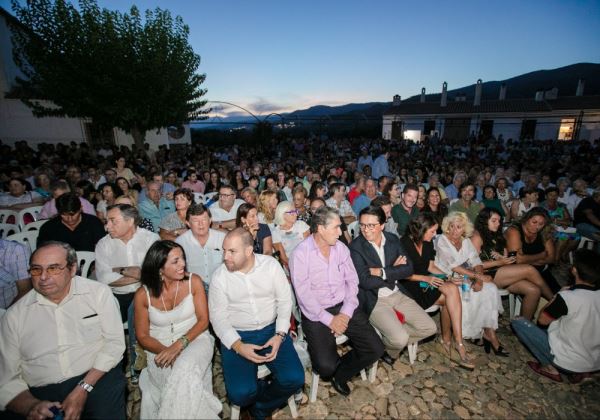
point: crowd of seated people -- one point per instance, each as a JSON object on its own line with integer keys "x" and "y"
{"x": 365, "y": 235}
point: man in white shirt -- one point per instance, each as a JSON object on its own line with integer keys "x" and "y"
{"x": 224, "y": 210}
{"x": 203, "y": 246}
{"x": 250, "y": 304}
{"x": 119, "y": 257}
{"x": 62, "y": 344}
{"x": 338, "y": 201}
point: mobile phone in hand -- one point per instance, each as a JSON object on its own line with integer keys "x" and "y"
{"x": 512, "y": 254}
{"x": 264, "y": 352}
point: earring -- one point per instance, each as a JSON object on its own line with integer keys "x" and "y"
{"x": 161, "y": 276}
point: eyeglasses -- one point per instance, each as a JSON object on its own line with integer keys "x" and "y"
{"x": 52, "y": 270}
{"x": 292, "y": 212}
{"x": 368, "y": 226}
{"x": 226, "y": 195}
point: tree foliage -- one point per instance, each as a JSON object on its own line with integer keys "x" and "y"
{"x": 119, "y": 69}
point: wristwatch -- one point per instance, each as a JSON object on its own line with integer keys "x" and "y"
{"x": 86, "y": 386}
{"x": 281, "y": 334}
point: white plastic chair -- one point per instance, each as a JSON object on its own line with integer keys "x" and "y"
{"x": 26, "y": 238}
{"x": 6, "y": 214}
{"x": 514, "y": 303}
{"x": 84, "y": 262}
{"x": 34, "y": 212}
{"x": 413, "y": 347}
{"x": 7, "y": 229}
{"x": 198, "y": 198}
{"x": 34, "y": 225}
{"x": 263, "y": 371}
{"x": 353, "y": 229}
{"x": 314, "y": 386}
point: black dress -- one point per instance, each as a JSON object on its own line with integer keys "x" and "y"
{"x": 424, "y": 297}
{"x": 537, "y": 247}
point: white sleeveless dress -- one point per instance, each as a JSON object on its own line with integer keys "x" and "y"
{"x": 183, "y": 391}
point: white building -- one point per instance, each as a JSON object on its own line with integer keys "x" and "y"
{"x": 545, "y": 116}
{"x": 17, "y": 122}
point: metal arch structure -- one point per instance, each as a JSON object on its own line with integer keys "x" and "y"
{"x": 237, "y": 106}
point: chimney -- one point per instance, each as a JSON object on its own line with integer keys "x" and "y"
{"x": 477, "y": 100}
{"x": 397, "y": 100}
{"x": 580, "y": 86}
{"x": 539, "y": 95}
{"x": 444, "y": 100}
{"x": 551, "y": 94}
{"x": 422, "y": 95}
{"x": 502, "y": 95}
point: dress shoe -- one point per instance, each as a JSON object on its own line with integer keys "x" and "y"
{"x": 341, "y": 387}
{"x": 387, "y": 358}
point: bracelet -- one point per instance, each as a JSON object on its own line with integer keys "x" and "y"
{"x": 184, "y": 340}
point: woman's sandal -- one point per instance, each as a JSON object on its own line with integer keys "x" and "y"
{"x": 463, "y": 362}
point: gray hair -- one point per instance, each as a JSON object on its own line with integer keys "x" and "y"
{"x": 128, "y": 211}
{"x": 322, "y": 217}
{"x": 71, "y": 253}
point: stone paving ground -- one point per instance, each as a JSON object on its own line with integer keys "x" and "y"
{"x": 433, "y": 388}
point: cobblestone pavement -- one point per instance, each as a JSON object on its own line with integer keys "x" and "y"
{"x": 434, "y": 388}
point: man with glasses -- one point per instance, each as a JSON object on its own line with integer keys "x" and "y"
{"x": 80, "y": 230}
{"x": 381, "y": 262}
{"x": 62, "y": 344}
{"x": 338, "y": 201}
{"x": 224, "y": 210}
{"x": 110, "y": 175}
{"x": 326, "y": 286}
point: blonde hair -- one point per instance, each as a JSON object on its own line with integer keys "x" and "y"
{"x": 456, "y": 217}
{"x": 133, "y": 200}
{"x": 282, "y": 207}
{"x": 263, "y": 205}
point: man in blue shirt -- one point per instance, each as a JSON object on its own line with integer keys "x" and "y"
{"x": 380, "y": 166}
{"x": 155, "y": 207}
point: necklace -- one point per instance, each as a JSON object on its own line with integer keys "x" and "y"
{"x": 165, "y": 306}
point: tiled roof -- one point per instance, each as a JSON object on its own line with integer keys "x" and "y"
{"x": 497, "y": 106}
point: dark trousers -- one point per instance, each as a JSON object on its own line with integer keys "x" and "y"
{"x": 106, "y": 401}
{"x": 244, "y": 390}
{"x": 366, "y": 346}
{"x": 126, "y": 308}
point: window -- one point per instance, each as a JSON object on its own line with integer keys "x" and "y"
{"x": 566, "y": 129}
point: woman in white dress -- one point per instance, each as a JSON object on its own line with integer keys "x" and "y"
{"x": 288, "y": 231}
{"x": 455, "y": 253}
{"x": 171, "y": 321}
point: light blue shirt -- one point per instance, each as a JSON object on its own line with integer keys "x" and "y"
{"x": 149, "y": 210}
{"x": 380, "y": 167}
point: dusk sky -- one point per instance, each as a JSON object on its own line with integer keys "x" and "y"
{"x": 275, "y": 56}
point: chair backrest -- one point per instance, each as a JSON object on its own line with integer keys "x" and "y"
{"x": 34, "y": 225}
{"x": 198, "y": 198}
{"x": 26, "y": 238}
{"x": 8, "y": 229}
{"x": 28, "y": 215}
{"x": 354, "y": 229}
{"x": 84, "y": 262}
{"x": 8, "y": 216}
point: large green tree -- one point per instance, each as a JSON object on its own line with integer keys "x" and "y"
{"x": 118, "y": 69}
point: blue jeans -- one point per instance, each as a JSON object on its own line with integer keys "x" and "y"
{"x": 535, "y": 339}
{"x": 587, "y": 230}
{"x": 243, "y": 388}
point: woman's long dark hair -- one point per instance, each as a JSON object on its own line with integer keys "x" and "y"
{"x": 155, "y": 260}
{"x": 492, "y": 241}
{"x": 417, "y": 227}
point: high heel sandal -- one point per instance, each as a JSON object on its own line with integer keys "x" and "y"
{"x": 463, "y": 362}
{"x": 487, "y": 346}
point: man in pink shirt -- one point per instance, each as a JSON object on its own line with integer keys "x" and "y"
{"x": 326, "y": 286}
{"x": 57, "y": 189}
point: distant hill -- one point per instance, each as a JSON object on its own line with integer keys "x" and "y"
{"x": 523, "y": 86}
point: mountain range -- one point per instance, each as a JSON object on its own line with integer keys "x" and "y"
{"x": 565, "y": 79}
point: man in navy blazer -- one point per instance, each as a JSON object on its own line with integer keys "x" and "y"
{"x": 381, "y": 262}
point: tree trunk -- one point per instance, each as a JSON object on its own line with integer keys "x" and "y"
{"x": 138, "y": 137}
